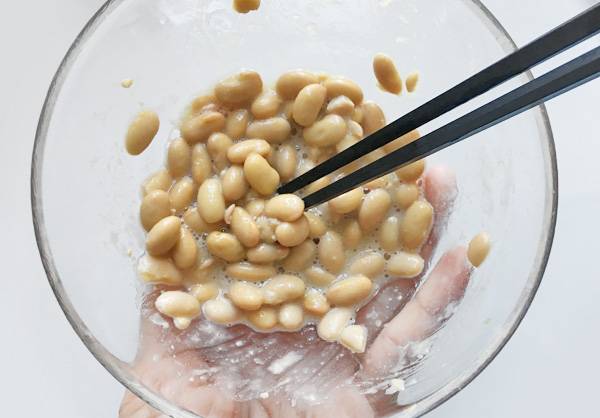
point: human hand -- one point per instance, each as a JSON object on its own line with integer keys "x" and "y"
{"x": 222, "y": 372}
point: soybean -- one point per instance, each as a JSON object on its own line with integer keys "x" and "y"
{"x": 155, "y": 206}
{"x": 274, "y": 130}
{"x": 289, "y": 84}
{"x": 163, "y": 236}
{"x": 211, "y": 203}
{"x": 199, "y": 128}
{"x": 293, "y": 233}
{"x": 285, "y": 162}
{"x": 327, "y": 132}
{"x": 405, "y": 265}
{"x": 238, "y": 153}
{"x": 236, "y": 124}
{"x": 331, "y": 252}
{"x": 234, "y": 183}
{"x": 373, "y": 209}
{"x": 181, "y": 194}
{"x": 250, "y": 271}
{"x": 369, "y": 264}
{"x": 285, "y": 207}
{"x": 239, "y": 89}
{"x": 479, "y": 248}
{"x": 416, "y": 224}
{"x": 266, "y": 105}
{"x": 283, "y": 288}
{"x": 246, "y": 296}
{"x": 308, "y": 104}
{"x": 387, "y": 74}
{"x": 225, "y": 246}
{"x": 141, "y": 132}
{"x": 185, "y": 251}
{"x": 300, "y": 257}
{"x": 244, "y": 227}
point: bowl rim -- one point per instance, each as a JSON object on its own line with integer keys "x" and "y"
{"x": 121, "y": 371}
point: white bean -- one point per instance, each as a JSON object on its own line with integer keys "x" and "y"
{"x": 369, "y": 263}
{"x": 327, "y": 132}
{"x": 373, "y": 209}
{"x": 308, "y": 104}
{"x": 300, "y": 257}
{"x": 161, "y": 180}
{"x": 141, "y": 132}
{"x": 340, "y": 105}
{"x": 244, "y": 227}
{"x": 293, "y": 233}
{"x": 331, "y": 325}
{"x": 352, "y": 234}
{"x": 239, "y": 89}
{"x": 264, "y": 318}
{"x": 283, "y": 288}
{"x": 246, "y": 295}
{"x": 263, "y": 178}
{"x": 416, "y": 224}
{"x": 315, "y": 303}
{"x": 338, "y": 86}
{"x": 331, "y": 252}
{"x": 387, "y": 74}
{"x": 234, "y": 183}
{"x": 266, "y": 105}
{"x": 347, "y": 202}
{"x": 285, "y": 207}
{"x": 158, "y": 270}
{"x": 177, "y": 304}
{"x": 155, "y": 206}
{"x": 274, "y": 130}
{"x": 389, "y": 233}
{"x": 289, "y": 84}
{"x": 220, "y": 311}
{"x": 291, "y": 316}
{"x": 349, "y": 291}
{"x": 236, "y": 124}
{"x": 163, "y": 236}
{"x": 217, "y": 146}
{"x": 211, "y": 203}
{"x": 199, "y": 128}
{"x": 285, "y": 162}
{"x": 318, "y": 276}
{"x": 405, "y": 265}
{"x": 201, "y": 165}
{"x": 181, "y": 194}
{"x": 354, "y": 338}
{"x": 238, "y": 153}
{"x": 185, "y": 251}
{"x": 479, "y": 248}
{"x": 250, "y": 272}
{"x": 225, "y": 246}
{"x": 267, "y": 253}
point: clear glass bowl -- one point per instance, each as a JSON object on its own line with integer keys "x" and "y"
{"x": 85, "y": 188}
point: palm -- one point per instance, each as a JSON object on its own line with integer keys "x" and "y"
{"x": 296, "y": 374}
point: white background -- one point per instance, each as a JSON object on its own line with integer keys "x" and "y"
{"x": 549, "y": 368}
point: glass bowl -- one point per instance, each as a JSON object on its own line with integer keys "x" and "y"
{"x": 85, "y": 188}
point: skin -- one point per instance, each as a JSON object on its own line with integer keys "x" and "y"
{"x": 229, "y": 358}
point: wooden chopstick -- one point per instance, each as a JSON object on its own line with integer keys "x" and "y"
{"x": 562, "y": 79}
{"x": 562, "y": 37}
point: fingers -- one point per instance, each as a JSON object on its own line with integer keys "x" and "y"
{"x": 423, "y": 315}
{"x": 439, "y": 184}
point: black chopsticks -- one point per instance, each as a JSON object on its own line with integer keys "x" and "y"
{"x": 558, "y": 81}
{"x": 563, "y": 37}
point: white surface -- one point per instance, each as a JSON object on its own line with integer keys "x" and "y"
{"x": 548, "y": 369}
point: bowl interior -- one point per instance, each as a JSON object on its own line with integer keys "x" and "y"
{"x": 86, "y": 189}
